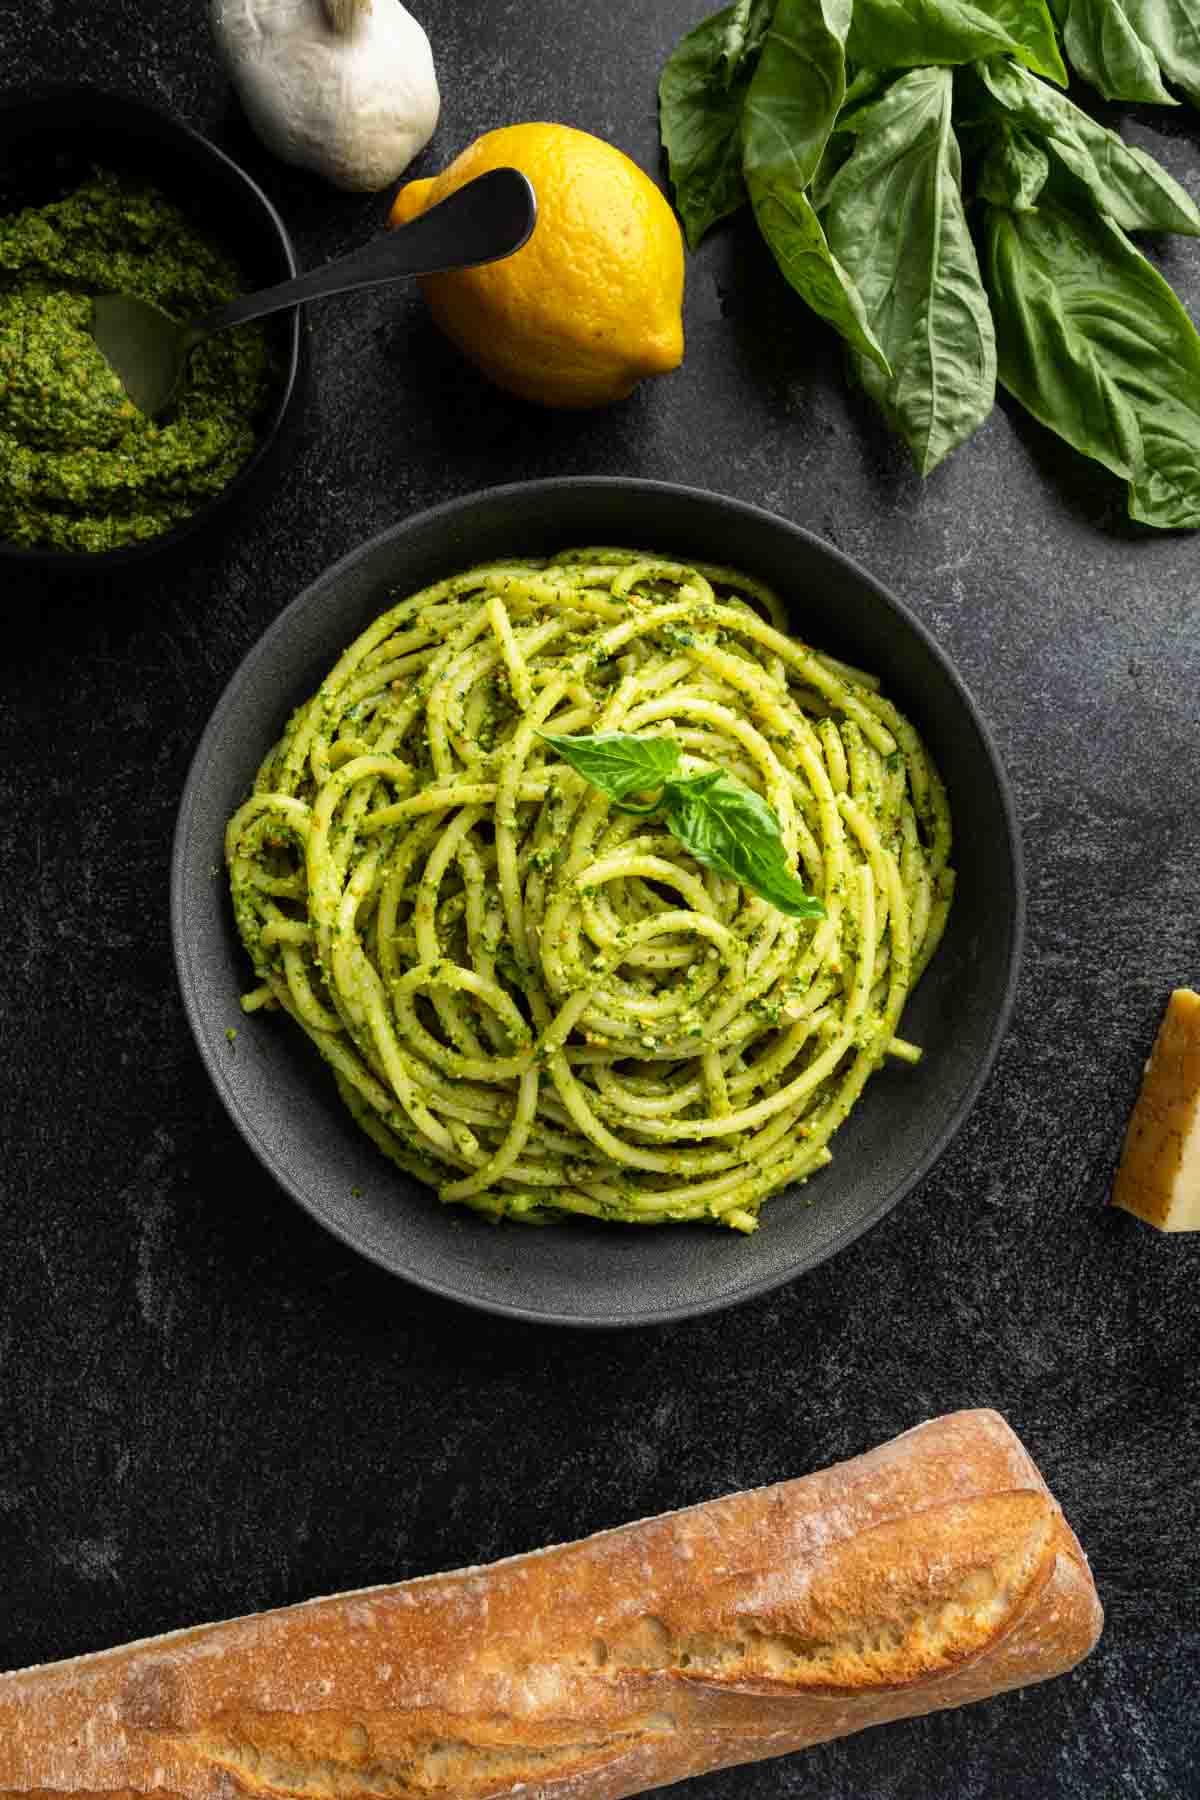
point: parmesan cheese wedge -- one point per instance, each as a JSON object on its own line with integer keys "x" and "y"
{"x": 1159, "y": 1173}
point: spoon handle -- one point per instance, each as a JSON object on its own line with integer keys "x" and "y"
{"x": 480, "y": 222}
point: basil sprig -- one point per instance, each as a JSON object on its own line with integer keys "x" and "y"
{"x": 863, "y": 134}
{"x": 719, "y": 821}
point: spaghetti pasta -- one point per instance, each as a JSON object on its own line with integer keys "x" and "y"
{"x": 544, "y": 1005}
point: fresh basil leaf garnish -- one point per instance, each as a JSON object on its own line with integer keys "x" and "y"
{"x": 719, "y": 821}
{"x": 732, "y": 830}
{"x": 619, "y": 763}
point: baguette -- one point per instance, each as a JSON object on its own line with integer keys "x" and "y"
{"x": 934, "y": 1570}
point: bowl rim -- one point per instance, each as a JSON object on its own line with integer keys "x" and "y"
{"x": 444, "y": 513}
{"x": 88, "y": 562}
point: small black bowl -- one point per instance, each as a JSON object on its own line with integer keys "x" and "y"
{"x": 282, "y": 1097}
{"x": 51, "y": 141}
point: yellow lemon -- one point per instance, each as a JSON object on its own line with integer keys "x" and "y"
{"x": 592, "y": 302}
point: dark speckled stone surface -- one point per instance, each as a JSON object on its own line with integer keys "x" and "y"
{"x": 206, "y": 1405}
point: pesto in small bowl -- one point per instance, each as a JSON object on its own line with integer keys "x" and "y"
{"x": 85, "y": 471}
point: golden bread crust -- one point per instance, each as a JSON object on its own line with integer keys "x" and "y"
{"x": 934, "y": 1570}
{"x": 1158, "y": 1177}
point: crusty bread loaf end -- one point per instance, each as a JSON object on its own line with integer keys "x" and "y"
{"x": 1158, "y": 1177}
{"x": 935, "y": 1570}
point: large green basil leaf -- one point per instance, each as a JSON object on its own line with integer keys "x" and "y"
{"x": 722, "y": 823}
{"x": 733, "y": 830}
{"x": 798, "y": 243}
{"x": 1171, "y": 29}
{"x": 795, "y": 93}
{"x": 1093, "y": 342}
{"x": 864, "y": 86}
{"x": 861, "y": 92}
{"x": 1122, "y": 180}
{"x": 793, "y": 100}
{"x": 1014, "y": 170}
{"x": 744, "y": 34}
{"x": 1103, "y": 46}
{"x": 895, "y": 220}
{"x": 701, "y": 93}
{"x": 905, "y": 34}
{"x": 619, "y": 763}
{"x": 1125, "y": 47}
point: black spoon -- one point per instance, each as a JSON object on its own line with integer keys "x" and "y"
{"x": 481, "y": 222}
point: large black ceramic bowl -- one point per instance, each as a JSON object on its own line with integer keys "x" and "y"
{"x": 281, "y": 1097}
{"x": 51, "y": 141}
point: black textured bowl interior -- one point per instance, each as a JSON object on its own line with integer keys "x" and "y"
{"x": 281, "y": 1097}
{"x": 49, "y": 143}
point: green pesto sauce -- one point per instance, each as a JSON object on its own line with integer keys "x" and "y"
{"x": 83, "y": 469}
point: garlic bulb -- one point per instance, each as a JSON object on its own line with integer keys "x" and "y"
{"x": 344, "y": 87}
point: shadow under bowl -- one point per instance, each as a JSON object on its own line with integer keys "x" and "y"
{"x": 282, "y": 1098}
{"x": 52, "y": 140}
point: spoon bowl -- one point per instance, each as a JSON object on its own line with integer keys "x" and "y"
{"x": 486, "y": 219}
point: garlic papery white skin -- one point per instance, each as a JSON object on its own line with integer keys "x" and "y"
{"x": 344, "y": 87}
